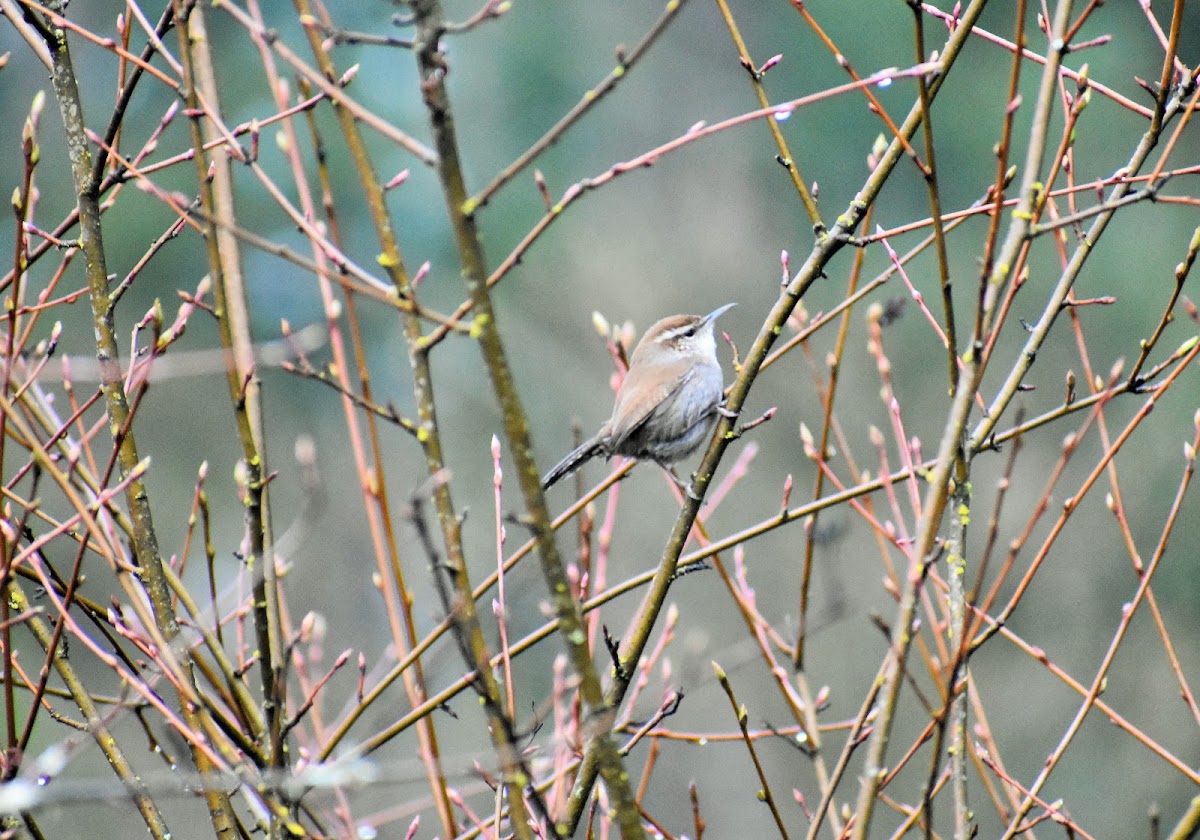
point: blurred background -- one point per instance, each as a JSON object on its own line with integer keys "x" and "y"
{"x": 703, "y": 226}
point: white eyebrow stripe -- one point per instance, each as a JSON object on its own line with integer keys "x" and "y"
{"x": 675, "y": 333}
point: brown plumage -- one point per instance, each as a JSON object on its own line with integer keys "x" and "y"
{"x": 668, "y": 403}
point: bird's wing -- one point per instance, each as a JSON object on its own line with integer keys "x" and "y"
{"x": 628, "y": 416}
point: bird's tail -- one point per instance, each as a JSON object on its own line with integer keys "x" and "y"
{"x": 588, "y": 449}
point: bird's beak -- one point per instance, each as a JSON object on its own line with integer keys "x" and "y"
{"x": 718, "y": 312}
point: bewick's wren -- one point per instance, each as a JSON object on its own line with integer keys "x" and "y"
{"x": 668, "y": 403}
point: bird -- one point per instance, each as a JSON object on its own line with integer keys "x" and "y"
{"x": 667, "y": 404}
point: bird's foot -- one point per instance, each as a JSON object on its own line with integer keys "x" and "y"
{"x": 686, "y": 487}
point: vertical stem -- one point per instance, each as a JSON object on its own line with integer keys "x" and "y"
{"x": 216, "y": 200}
{"x": 958, "y": 670}
{"x": 935, "y": 199}
{"x": 430, "y": 25}
{"x": 826, "y": 246}
{"x": 145, "y": 539}
{"x": 953, "y": 437}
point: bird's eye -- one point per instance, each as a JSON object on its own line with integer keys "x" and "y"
{"x": 689, "y": 332}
